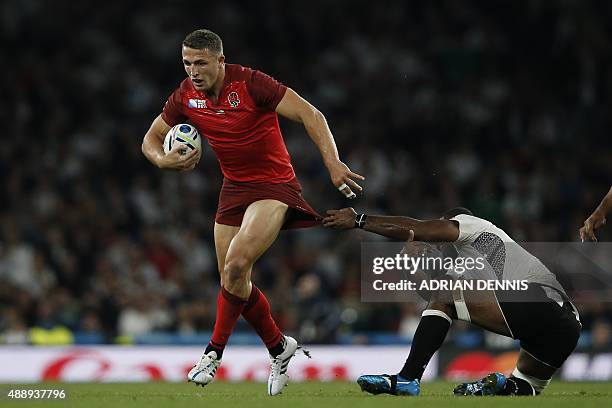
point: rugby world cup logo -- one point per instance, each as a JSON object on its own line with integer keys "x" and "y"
{"x": 233, "y": 99}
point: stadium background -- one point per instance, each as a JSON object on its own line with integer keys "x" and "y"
{"x": 501, "y": 106}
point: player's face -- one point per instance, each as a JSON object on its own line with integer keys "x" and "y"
{"x": 202, "y": 67}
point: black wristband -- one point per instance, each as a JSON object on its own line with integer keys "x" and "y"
{"x": 360, "y": 220}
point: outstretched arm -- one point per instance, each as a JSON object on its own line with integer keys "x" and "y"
{"x": 597, "y": 219}
{"x": 294, "y": 107}
{"x": 401, "y": 228}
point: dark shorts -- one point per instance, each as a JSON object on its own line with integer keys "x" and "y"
{"x": 546, "y": 330}
{"x": 236, "y": 197}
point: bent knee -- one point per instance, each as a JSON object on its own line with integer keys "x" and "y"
{"x": 555, "y": 346}
{"x": 236, "y": 269}
{"x": 570, "y": 336}
{"x": 566, "y": 337}
{"x": 445, "y": 307}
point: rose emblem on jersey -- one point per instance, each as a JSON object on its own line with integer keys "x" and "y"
{"x": 233, "y": 99}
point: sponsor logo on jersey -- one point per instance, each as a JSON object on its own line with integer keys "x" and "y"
{"x": 197, "y": 103}
{"x": 233, "y": 99}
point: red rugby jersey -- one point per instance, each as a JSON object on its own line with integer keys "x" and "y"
{"x": 242, "y": 127}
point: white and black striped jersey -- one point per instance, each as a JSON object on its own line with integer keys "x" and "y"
{"x": 504, "y": 259}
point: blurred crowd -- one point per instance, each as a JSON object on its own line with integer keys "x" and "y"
{"x": 503, "y": 107}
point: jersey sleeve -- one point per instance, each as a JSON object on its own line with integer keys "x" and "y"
{"x": 470, "y": 228}
{"x": 266, "y": 91}
{"x": 173, "y": 109}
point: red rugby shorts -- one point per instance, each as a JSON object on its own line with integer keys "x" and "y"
{"x": 235, "y": 197}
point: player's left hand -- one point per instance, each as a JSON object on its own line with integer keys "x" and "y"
{"x": 595, "y": 221}
{"x": 342, "y": 177}
{"x": 340, "y": 219}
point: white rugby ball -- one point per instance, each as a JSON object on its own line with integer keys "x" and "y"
{"x": 185, "y": 134}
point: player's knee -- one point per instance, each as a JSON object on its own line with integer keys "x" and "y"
{"x": 569, "y": 338}
{"x": 565, "y": 338}
{"x": 553, "y": 347}
{"x": 445, "y": 307}
{"x": 236, "y": 269}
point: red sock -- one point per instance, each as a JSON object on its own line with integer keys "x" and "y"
{"x": 257, "y": 313}
{"x": 229, "y": 308}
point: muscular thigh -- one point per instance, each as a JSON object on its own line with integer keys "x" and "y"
{"x": 260, "y": 226}
{"x": 223, "y": 237}
{"x": 485, "y": 311}
{"x": 548, "y": 331}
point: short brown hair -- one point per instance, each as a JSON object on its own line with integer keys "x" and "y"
{"x": 204, "y": 39}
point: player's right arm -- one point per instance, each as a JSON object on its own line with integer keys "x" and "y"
{"x": 597, "y": 219}
{"x": 401, "y": 228}
{"x": 152, "y": 148}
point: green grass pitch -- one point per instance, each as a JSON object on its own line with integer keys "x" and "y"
{"x": 298, "y": 395}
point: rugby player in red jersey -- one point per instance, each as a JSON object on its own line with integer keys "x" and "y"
{"x": 236, "y": 109}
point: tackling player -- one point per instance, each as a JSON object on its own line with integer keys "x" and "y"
{"x": 541, "y": 317}
{"x": 597, "y": 219}
{"x": 236, "y": 109}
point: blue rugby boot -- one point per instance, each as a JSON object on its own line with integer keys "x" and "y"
{"x": 389, "y": 384}
{"x": 492, "y": 384}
